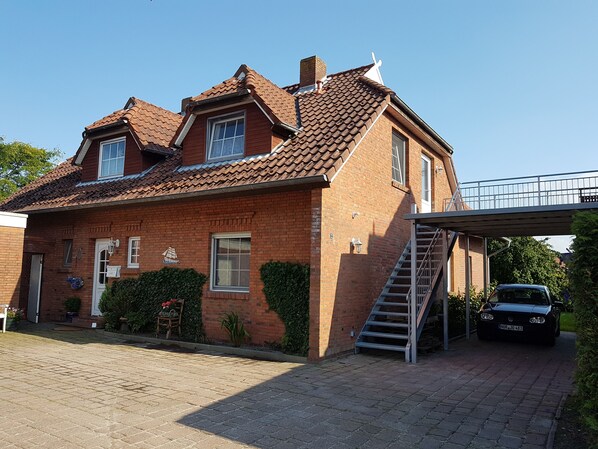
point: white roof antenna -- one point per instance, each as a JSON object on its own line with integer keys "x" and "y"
{"x": 374, "y": 72}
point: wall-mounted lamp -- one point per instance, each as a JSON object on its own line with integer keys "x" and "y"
{"x": 439, "y": 169}
{"x": 356, "y": 244}
{"x": 112, "y": 245}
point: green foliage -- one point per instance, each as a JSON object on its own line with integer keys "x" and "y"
{"x": 528, "y": 261}
{"x": 118, "y": 300}
{"x": 457, "y": 315}
{"x": 568, "y": 322}
{"x": 72, "y": 304}
{"x": 235, "y": 328}
{"x": 140, "y": 300}
{"x": 21, "y": 163}
{"x": 286, "y": 286}
{"x": 584, "y": 283}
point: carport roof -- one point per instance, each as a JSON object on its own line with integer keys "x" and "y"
{"x": 509, "y": 222}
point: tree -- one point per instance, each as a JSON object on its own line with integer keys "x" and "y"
{"x": 527, "y": 261}
{"x": 21, "y": 163}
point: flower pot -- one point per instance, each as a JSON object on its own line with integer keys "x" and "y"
{"x": 70, "y": 315}
{"x": 12, "y": 324}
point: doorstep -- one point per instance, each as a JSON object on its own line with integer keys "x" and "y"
{"x": 272, "y": 356}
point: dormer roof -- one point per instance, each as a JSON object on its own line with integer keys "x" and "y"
{"x": 151, "y": 126}
{"x": 334, "y": 118}
{"x": 278, "y": 104}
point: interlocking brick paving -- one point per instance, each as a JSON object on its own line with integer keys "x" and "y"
{"x": 84, "y": 389}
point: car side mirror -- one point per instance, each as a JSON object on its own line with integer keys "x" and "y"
{"x": 559, "y": 304}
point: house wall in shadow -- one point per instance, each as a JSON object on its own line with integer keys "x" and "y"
{"x": 12, "y": 234}
{"x": 364, "y": 203}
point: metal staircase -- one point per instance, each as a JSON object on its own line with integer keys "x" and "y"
{"x": 389, "y": 325}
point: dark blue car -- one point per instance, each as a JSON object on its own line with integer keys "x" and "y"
{"x": 521, "y": 311}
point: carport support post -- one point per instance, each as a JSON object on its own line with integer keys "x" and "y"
{"x": 445, "y": 288}
{"x": 486, "y": 274}
{"x": 413, "y": 296}
{"x": 467, "y": 287}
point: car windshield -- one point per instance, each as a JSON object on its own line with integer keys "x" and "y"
{"x": 520, "y": 295}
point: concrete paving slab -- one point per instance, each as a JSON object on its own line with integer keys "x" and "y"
{"x": 84, "y": 389}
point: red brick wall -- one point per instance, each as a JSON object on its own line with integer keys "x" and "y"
{"x": 259, "y": 138}
{"x": 11, "y": 256}
{"x": 363, "y": 203}
{"x": 279, "y": 225}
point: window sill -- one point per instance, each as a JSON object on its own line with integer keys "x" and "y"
{"x": 401, "y": 187}
{"x": 210, "y": 294}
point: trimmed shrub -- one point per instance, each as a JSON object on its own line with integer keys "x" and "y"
{"x": 140, "y": 300}
{"x": 456, "y": 315}
{"x": 286, "y": 286}
{"x": 118, "y": 300}
{"x": 584, "y": 283}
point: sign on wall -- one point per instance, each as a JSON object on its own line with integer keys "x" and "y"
{"x": 170, "y": 256}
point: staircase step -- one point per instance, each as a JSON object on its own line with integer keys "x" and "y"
{"x": 387, "y": 324}
{"x": 380, "y": 312}
{"x": 385, "y": 335}
{"x": 363, "y": 344}
{"x": 394, "y": 295}
{"x": 393, "y": 304}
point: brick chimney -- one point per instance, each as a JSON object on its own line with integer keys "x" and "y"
{"x": 311, "y": 70}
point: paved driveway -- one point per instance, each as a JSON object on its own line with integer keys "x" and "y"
{"x": 79, "y": 389}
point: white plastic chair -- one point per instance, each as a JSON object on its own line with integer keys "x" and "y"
{"x": 3, "y": 315}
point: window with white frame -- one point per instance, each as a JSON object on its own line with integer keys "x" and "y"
{"x": 226, "y": 137}
{"x": 398, "y": 158}
{"x": 67, "y": 252}
{"x": 134, "y": 248}
{"x": 112, "y": 158}
{"x": 230, "y": 262}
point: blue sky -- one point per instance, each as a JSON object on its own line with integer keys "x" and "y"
{"x": 511, "y": 84}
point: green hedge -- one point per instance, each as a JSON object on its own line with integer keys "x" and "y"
{"x": 456, "y": 315}
{"x": 584, "y": 282}
{"x": 286, "y": 286}
{"x": 139, "y": 300}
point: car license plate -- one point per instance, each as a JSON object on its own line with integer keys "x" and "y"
{"x": 510, "y": 327}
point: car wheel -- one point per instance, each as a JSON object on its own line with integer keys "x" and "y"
{"x": 550, "y": 340}
{"x": 483, "y": 335}
{"x": 558, "y": 327}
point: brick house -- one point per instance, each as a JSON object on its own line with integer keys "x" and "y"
{"x": 320, "y": 172}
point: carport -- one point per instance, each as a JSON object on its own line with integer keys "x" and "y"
{"x": 507, "y": 207}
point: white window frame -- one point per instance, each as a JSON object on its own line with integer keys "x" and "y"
{"x": 401, "y": 170}
{"x": 213, "y": 266}
{"x": 108, "y": 142}
{"x": 130, "y": 263}
{"x": 67, "y": 253}
{"x": 211, "y": 125}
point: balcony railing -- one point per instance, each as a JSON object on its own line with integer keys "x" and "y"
{"x": 528, "y": 191}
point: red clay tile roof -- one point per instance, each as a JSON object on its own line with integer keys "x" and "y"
{"x": 152, "y": 126}
{"x": 277, "y": 102}
{"x": 333, "y": 121}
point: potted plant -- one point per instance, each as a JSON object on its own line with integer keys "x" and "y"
{"x": 235, "y": 328}
{"x": 13, "y": 317}
{"x": 72, "y": 305}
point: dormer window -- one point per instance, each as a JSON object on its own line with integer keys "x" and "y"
{"x": 226, "y": 137}
{"x": 112, "y": 158}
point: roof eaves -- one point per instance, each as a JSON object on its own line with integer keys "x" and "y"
{"x": 315, "y": 180}
{"x": 421, "y": 122}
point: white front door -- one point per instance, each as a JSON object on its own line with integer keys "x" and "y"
{"x": 99, "y": 274}
{"x": 35, "y": 284}
{"x": 426, "y": 184}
